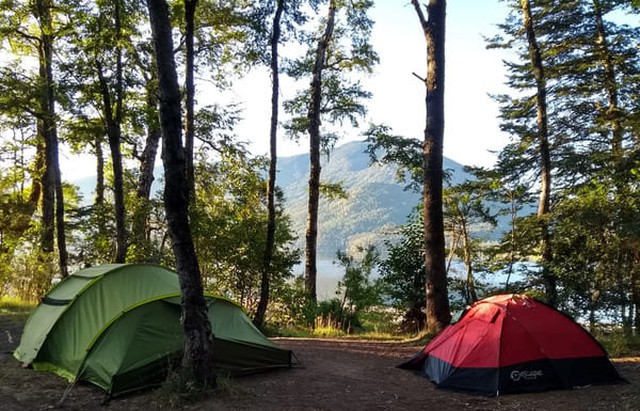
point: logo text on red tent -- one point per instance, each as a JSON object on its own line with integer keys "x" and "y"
{"x": 517, "y": 375}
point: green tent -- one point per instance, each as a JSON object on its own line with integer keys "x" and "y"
{"x": 118, "y": 327}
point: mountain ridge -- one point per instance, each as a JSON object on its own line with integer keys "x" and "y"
{"x": 376, "y": 205}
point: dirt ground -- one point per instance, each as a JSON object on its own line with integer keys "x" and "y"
{"x": 333, "y": 375}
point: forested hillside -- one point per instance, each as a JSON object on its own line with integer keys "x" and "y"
{"x": 376, "y": 205}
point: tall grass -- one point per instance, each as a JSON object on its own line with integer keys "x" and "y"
{"x": 15, "y": 307}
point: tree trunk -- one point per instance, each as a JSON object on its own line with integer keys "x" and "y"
{"x": 48, "y": 195}
{"x": 544, "y": 207}
{"x": 63, "y": 255}
{"x": 45, "y": 124}
{"x": 311, "y": 269}
{"x": 113, "y": 125}
{"x": 197, "y": 360}
{"x": 53, "y": 203}
{"x": 437, "y": 310}
{"x": 513, "y": 213}
{"x": 99, "y": 197}
{"x": 139, "y": 229}
{"x": 115, "y": 137}
{"x": 37, "y": 174}
{"x": 189, "y": 14}
{"x": 610, "y": 84}
{"x": 261, "y": 311}
{"x": 472, "y": 296}
{"x": 635, "y": 300}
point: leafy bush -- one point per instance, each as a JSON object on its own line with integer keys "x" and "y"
{"x": 332, "y": 315}
{"x": 617, "y": 342}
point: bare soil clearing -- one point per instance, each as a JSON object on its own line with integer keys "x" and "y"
{"x": 334, "y": 375}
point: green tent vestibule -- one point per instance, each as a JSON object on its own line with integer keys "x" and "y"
{"x": 118, "y": 326}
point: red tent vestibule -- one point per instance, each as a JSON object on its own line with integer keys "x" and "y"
{"x": 513, "y": 343}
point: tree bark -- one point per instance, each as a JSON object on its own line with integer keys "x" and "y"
{"x": 610, "y": 84}
{"x": 53, "y": 199}
{"x": 472, "y": 296}
{"x": 311, "y": 236}
{"x": 437, "y": 310}
{"x": 261, "y": 311}
{"x": 544, "y": 205}
{"x": 139, "y": 229}
{"x": 99, "y": 197}
{"x": 197, "y": 360}
{"x": 635, "y": 299}
{"x": 189, "y": 14}
{"x": 113, "y": 124}
{"x": 44, "y": 127}
{"x": 37, "y": 175}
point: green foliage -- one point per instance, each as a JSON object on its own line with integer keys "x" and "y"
{"x": 289, "y": 309}
{"x": 229, "y": 221}
{"x": 380, "y": 322}
{"x": 591, "y": 64}
{"x": 349, "y": 52}
{"x": 465, "y": 214}
{"x": 403, "y": 273}
{"x": 617, "y": 342}
{"x": 333, "y": 191}
{"x": 596, "y": 234}
{"x": 332, "y": 317}
{"x": 152, "y": 248}
{"x": 31, "y": 275}
{"x": 94, "y": 231}
{"x": 406, "y": 153}
{"x": 358, "y": 292}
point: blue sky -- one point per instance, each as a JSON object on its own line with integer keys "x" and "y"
{"x": 471, "y": 127}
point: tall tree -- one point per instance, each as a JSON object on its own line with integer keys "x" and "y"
{"x": 438, "y": 313}
{"x": 53, "y": 197}
{"x": 613, "y": 115}
{"x": 465, "y": 211}
{"x": 197, "y": 360}
{"x": 333, "y": 96}
{"x": 189, "y": 123}
{"x": 32, "y": 28}
{"x": 315, "y": 106}
{"x": 113, "y": 101}
{"x": 140, "y": 219}
{"x": 588, "y": 65}
{"x": 258, "y": 319}
{"x": 528, "y": 117}
{"x": 544, "y": 204}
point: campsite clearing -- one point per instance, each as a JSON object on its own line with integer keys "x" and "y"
{"x": 337, "y": 375}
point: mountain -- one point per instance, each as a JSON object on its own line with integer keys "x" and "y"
{"x": 376, "y": 205}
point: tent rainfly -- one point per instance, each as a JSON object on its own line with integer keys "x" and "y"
{"x": 513, "y": 343}
{"x": 118, "y": 326}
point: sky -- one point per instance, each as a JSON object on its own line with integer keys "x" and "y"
{"x": 471, "y": 73}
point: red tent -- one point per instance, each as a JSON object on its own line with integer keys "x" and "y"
{"x": 513, "y": 343}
